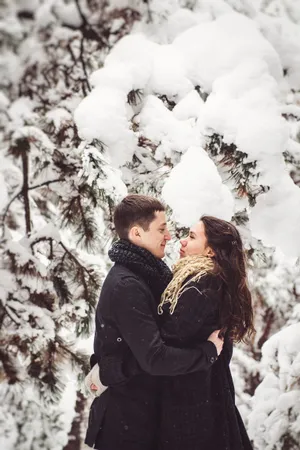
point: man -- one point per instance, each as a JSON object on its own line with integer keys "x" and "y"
{"x": 128, "y": 345}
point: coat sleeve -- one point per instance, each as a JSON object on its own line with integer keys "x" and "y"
{"x": 194, "y": 306}
{"x": 135, "y": 319}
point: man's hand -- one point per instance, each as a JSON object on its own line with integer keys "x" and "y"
{"x": 219, "y": 342}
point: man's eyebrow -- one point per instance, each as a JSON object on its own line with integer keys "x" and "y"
{"x": 193, "y": 232}
{"x": 163, "y": 224}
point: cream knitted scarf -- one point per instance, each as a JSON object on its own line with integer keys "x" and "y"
{"x": 191, "y": 266}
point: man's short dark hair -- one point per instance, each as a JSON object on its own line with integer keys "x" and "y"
{"x": 135, "y": 210}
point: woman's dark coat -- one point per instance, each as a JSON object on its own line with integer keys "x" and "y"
{"x": 127, "y": 345}
{"x": 198, "y": 409}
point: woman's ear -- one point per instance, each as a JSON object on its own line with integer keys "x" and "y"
{"x": 210, "y": 252}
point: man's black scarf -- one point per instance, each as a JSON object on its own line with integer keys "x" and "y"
{"x": 141, "y": 262}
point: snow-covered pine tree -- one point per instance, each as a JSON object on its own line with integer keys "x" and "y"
{"x": 203, "y": 108}
{"x": 180, "y": 110}
{"x": 55, "y": 215}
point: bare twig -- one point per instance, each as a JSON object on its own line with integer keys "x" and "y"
{"x": 83, "y": 64}
{"x": 25, "y": 192}
{"x": 8, "y": 312}
{"x": 82, "y": 16}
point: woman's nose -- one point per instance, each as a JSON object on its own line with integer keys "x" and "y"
{"x": 183, "y": 242}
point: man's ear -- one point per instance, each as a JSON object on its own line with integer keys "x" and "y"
{"x": 134, "y": 234}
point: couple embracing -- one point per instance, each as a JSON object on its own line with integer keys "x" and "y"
{"x": 163, "y": 340}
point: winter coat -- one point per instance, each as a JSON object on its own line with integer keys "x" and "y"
{"x": 198, "y": 410}
{"x": 133, "y": 357}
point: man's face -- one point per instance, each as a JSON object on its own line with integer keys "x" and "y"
{"x": 155, "y": 238}
{"x": 195, "y": 243}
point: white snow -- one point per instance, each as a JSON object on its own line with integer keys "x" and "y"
{"x": 277, "y": 399}
{"x": 115, "y": 76}
{"x": 68, "y": 13}
{"x": 108, "y": 179}
{"x": 190, "y": 106}
{"x": 194, "y": 188}
{"x": 212, "y": 49}
{"x": 21, "y": 110}
{"x": 168, "y": 74}
{"x": 7, "y": 281}
{"x": 48, "y": 231}
{"x": 161, "y": 126}
{"x": 136, "y": 53}
{"x": 230, "y": 59}
{"x": 102, "y": 115}
{"x": 284, "y": 35}
{"x": 23, "y": 256}
{"x": 276, "y": 216}
{"x": 243, "y": 109}
{"x": 4, "y": 101}
{"x": 60, "y": 117}
{"x": 181, "y": 20}
{"x": 3, "y": 193}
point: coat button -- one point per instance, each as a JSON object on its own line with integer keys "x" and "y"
{"x": 119, "y": 339}
{"x": 212, "y": 359}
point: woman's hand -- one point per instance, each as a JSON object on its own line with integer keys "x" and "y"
{"x": 93, "y": 383}
{"x": 215, "y": 339}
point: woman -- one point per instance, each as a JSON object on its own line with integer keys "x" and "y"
{"x": 208, "y": 291}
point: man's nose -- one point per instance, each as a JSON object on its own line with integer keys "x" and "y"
{"x": 167, "y": 235}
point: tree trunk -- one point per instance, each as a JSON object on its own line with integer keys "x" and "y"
{"x": 75, "y": 435}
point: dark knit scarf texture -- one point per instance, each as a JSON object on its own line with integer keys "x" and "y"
{"x": 140, "y": 261}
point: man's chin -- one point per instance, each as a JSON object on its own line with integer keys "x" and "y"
{"x": 161, "y": 254}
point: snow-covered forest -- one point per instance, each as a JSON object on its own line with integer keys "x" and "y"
{"x": 196, "y": 102}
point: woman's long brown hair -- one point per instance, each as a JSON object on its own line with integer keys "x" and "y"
{"x": 236, "y": 313}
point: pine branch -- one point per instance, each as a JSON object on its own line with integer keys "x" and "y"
{"x": 21, "y": 192}
{"x": 241, "y": 217}
{"x": 87, "y": 30}
{"x": 239, "y": 169}
{"x": 134, "y": 97}
{"x": 63, "y": 164}
{"x": 76, "y": 260}
{"x": 170, "y": 104}
{"x": 9, "y": 366}
{"x": 61, "y": 287}
{"x": 42, "y": 299}
{"x": 46, "y": 183}
{"x": 150, "y": 18}
{"x": 201, "y": 92}
{"x": 86, "y": 234}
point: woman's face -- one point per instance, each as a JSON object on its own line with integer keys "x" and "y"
{"x": 195, "y": 243}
